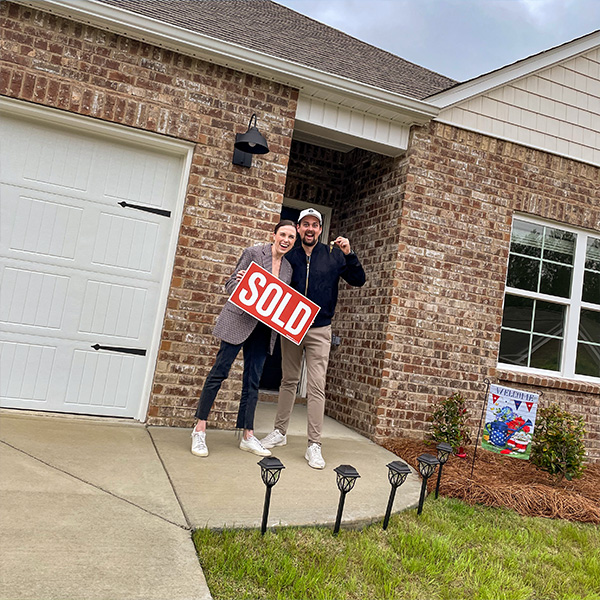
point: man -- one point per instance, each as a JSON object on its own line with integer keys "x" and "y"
{"x": 317, "y": 269}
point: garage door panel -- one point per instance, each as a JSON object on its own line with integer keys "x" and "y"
{"x": 46, "y": 227}
{"x": 41, "y": 227}
{"x": 46, "y": 157}
{"x": 60, "y": 160}
{"x": 100, "y": 380}
{"x": 77, "y": 269}
{"x": 26, "y": 371}
{"x": 142, "y": 179}
{"x": 38, "y": 226}
{"x": 47, "y": 304}
{"x": 33, "y": 298}
{"x": 113, "y": 309}
{"x": 126, "y": 243}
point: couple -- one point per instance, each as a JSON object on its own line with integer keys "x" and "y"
{"x": 313, "y": 269}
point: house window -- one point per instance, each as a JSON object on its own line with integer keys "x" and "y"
{"x": 551, "y": 318}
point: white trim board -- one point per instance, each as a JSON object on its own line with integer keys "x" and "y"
{"x": 517, "y": 70}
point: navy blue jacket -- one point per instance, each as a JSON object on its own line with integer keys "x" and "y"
{"x": 324, "y": 272}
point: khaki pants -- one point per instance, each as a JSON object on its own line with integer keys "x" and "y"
{"x": 316, "y": 344}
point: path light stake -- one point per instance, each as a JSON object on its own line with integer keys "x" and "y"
{"x": 270, "y": 470}
{"x": 427, "y": 465}
{"x": 397, "y": 474}
{"x": 444, "y": 452}
{"x": 346, "y": 478}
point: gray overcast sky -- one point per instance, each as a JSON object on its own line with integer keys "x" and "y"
{"x": 457, "y": 38}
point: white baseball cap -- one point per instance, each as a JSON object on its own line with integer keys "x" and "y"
{"x": 310, "y": 212}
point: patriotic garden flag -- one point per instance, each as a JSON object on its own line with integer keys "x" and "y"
{"x": 509, "y": 421}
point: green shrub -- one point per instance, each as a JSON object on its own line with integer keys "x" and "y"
{"x": 557, "y": 445}
{"x": 449, "y": 422}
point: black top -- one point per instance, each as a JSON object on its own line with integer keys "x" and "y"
{"x": 324, "y": 271}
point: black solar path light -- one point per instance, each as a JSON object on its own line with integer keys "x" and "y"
{"x": 397, "y": 474}
{"x": 427, "y": 465}
{"x": 346, "y": 478}
{"x": 444, "y": 451}
{"x": 270, "y": 470}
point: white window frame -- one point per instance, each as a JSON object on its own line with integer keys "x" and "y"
{"x": 573, "y": 305}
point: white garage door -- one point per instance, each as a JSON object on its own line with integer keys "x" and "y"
{"x": 87, "y": 226}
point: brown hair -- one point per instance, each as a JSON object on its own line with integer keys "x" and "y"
{"x": 284, "y": 223}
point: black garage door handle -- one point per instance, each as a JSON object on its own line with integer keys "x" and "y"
{"x": 138, "y": 351}
{"x": 150, "y": 209}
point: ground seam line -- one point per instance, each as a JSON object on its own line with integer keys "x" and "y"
{"x": 95, "y": 486}
{"x": 162, "y": 462}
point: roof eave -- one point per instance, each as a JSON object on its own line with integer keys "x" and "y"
{"x": 523, "y": 68}
{"x": 154, "y": 31}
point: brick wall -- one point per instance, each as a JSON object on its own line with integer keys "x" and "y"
{"x": 74, "y": 67}
{"x": 369, "y": 217}
{"x": 364, "y": 190}
{"x": 432, "y": 228}
{"x": 316, "y": 174}
{"x": 461, "y": 193}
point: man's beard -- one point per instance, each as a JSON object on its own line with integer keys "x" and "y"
{"x": 311, "y": 242}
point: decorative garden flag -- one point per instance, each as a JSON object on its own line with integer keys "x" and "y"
{"x": 509, "y": 421}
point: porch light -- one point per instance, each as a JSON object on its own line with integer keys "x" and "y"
{"x": 270, "y": 470}
{"x": 427, "y": 465}
{"x": 397, "y": 474}
{"x": 346, "y": 478}
{"x": 444, "y": 451}
{"x": 247, "y": 144}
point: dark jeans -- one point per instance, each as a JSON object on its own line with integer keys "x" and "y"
{"x": 255, "y": 348}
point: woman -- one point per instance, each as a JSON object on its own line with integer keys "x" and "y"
{"x": 237, "y": 330}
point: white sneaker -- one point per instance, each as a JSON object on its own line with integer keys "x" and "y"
{"x": 314, "y": 458}
{"x": 253, "y": 445}
{"x": 275, "y": 438}
{"x": 199, "y": 447}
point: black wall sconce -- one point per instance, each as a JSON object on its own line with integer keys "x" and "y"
{"x": 247, "y": 144}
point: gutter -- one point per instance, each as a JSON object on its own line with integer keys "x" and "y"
{"x": 234, "y": 56}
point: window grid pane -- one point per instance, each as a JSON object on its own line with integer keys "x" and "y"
{"x": 532, "y": 333}
{"x": 541, "y": 259}
{"x": 591, "y": 275}
{"x": 538, "y": 332}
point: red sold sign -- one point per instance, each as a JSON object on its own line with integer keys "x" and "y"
{"x": 274, "y": 303}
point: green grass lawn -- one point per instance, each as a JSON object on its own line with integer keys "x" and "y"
{"x": 451, "y": 551}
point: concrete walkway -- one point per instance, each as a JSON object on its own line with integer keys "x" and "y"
{"x": 103, "y": 509}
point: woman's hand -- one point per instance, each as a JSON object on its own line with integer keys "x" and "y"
{"x": 240, "y": 274}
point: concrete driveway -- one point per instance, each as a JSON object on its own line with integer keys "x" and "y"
{"x": 103, "y": 509}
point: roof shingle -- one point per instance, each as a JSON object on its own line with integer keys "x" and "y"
{"x": 278, "y": 31}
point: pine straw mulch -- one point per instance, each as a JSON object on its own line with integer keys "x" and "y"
{"x": 504, "y": 481}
